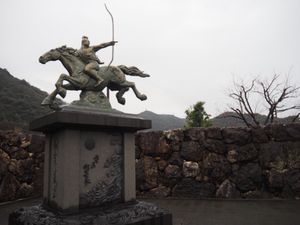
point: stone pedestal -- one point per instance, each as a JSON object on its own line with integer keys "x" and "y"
{"x": 89, "y": 171}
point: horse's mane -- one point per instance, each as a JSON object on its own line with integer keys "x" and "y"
{"x": 65, "y": 49}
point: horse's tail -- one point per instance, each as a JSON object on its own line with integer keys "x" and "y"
{"x": 133, "y": 71}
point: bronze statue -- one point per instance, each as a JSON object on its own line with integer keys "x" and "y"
{"x": 86, "y": 75}
{"x": 88, "y": 55}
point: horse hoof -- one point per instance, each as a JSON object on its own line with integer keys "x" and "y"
{"x": 143, "y": 97}
{"x": 62, "y": 92}
{"x": 46, "y": 101}
{"x": 122, "y": 101}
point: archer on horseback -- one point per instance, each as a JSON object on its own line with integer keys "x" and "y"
{"x": 88, "y": 55}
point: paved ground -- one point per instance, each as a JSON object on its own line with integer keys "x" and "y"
{"x": 210, "y": 212}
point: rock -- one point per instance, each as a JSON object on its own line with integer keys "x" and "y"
{"x": 151, "y": 172}
{"x": 248, "y": 177}
{"x": 215, "y": 146}
{"x": 273, "y": 155}
{"x": 8, "y": 188}
{"x": 227, "y": 190}
{"x": 172, "y": 171}
{"x": 232, "y": 155}
{"x": 292, "y": 181}
{"x": 194, "y": 134}
{"x": 24, "y": 170}
{"x": 14, "y": 139}
{"x": 20, "y": 154}
{"x": 175, "y": 147}
{"x": 255, "y": 194}
{"x": 282, "y": 132}
{"x": 153, "y": 143}
{"x": 259, "y": 135}
{"x": 241, "y": 153}
{"x": 163, "y": 147}
{"x": 190, "y": 169}
{"x": 4, "y": 162}
{"x": 160, "y": 192}
{"x": 239, "y": 136}
{"x": 174, "y": 135}
{"x": 216, "y": 167}
{"x": 275, "y": 180}
{"x": 162, "y": 164}
{"x": 293, "y": 155}
{"x": 213, "y": 133}
{"x": 174, "y": 138}
{"x": 293, "y": 130}
{"x": 148, "y": 142}
{"x": 24, "y": 191}
{"x": 12, "y": 150}
{"x": 25, "y": 144}
{"x": 175, "y": 159}
{"x": 138, "y": 152}
{"x": 191, "y": 188}
{"x": 14, "y": 167}
{"x": 191, "y": 151}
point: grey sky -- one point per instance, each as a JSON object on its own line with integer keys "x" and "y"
{"x": 190, "y": 48}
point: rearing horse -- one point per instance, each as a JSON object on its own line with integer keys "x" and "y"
{"x": 113, "y": 76}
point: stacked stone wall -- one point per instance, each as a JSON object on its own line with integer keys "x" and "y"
{"x": 21, "y": 165}
{"x": 220, "y": 163}
{"x": 196, "y": 163}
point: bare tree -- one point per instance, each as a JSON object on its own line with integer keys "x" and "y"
{"x": 274, "y": 95}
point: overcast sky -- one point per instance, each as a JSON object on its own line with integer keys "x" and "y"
{"x": 192, "y": 49}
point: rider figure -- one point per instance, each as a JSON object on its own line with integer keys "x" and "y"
{"x": 88, "y": 55}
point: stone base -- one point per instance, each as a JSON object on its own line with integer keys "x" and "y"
{"x": 93, "y": 99}
{"x": 136, "y": 213}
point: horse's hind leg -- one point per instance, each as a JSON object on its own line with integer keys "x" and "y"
{"x": 120, "y": 94}
{"x": 140, "y": 96}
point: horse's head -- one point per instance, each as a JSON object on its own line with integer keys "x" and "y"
{"x": 67, "y": 56}
{"x": 52, "y": 55}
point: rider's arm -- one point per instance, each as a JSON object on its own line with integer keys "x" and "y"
{"x": 103, "y": 45}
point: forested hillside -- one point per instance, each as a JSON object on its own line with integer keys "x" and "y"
{"x": 19, "y": 101}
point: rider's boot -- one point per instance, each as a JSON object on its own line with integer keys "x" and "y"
{"x": 94, "y": 75}
{"x": 99, "y": 81}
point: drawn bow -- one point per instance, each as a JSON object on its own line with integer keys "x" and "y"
{"x": 113, "y": 47}
{"x": 113, "y": 35}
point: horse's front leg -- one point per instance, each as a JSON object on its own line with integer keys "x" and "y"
{"x": 50, "y": 98}
{"x": 59, "y": 85}
{"x": 60, "y": 80}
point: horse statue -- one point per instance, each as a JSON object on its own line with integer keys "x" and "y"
{"x": 113, "y": 78}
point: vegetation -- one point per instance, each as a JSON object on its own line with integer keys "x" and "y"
{"x": 20, "y": 102}
{"x": 197, "y": 117}
{"x": 270, "y": 96}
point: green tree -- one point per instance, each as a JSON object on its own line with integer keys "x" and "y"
{"x": 197, "y": 117}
